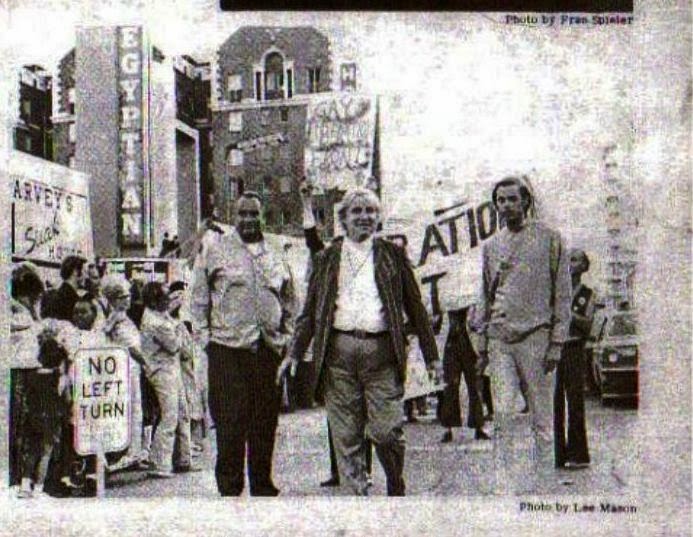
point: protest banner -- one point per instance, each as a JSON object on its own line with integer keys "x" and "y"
{"x": 340, "y": 133}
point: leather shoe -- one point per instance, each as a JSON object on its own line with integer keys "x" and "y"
{"x": 331, "y": 482}
{"x": 481, "y": 435}
{"x": 446, "y": 438}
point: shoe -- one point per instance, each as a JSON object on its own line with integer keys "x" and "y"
{"x": 24, "y": 494}
{"x": 160, "y": 474}
{"x": 570, "y": 465}
{"x": 479, "y": 434}
{"x": 488, "y": 417}
{"x": 67, "y": 482}
{"x": 525, "y": 410}
{"x": 369, "y": 480}
{"x": 126, "y": 463}
{"x": 270, "y": 491}
{"x": 331, "y": 482}
{"x": 187, "y": 468}
{"x": 446, "y": 438}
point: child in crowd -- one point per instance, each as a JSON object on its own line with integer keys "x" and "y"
{"x": 46, "y": 404}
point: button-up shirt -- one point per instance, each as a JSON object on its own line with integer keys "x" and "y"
{"x": 358, "y": 302}
{"x": 522, "y": 291}
{"x": 243, "y": 292}
{"x": 161, "y": 340}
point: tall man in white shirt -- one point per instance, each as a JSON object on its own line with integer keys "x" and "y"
{"x": 359, "y": 290}
{"x": 243, "y": 301}
{"x": 526, "y": 307}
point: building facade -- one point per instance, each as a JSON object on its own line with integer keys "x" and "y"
{"x": 33, "y": 131}
{"x": 193, "y": 95}
{"x": 263, "y": 80}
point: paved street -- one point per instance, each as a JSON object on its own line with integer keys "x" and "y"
{"x": 432, "y": 469}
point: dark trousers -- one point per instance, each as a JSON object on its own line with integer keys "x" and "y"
{"x": 19, "y": 413}
{"x": 244, "y": 403}
{"x": 459, "y": 359}
{"x": 570, "y": 387}
{"x": 334, "y": 469}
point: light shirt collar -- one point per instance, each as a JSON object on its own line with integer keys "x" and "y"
{"x": 362, "y": 247}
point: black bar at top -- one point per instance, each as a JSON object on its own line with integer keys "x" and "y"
{"x": 523, "y": 6}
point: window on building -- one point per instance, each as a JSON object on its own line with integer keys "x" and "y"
{"x": 285, "y": 114}
{"x": 71, "y": 100}
{"x": 258, "y": 85}
{"x": 235, "y": 157}
{"x": 274, "y": 76}
{"x": 26, "y": 109}
{"x": 28, "y": 144}
{"x": 235, "y": 121}
{"x": 72, "y": 133}
{"x": 284, "y": 151}
{"x": 289, "y": 83}
{"x": 319, "y": 214}
{"x": 313, "y": 79}
{"x": 267, "y": 184}
{"x": 234, "y": 88}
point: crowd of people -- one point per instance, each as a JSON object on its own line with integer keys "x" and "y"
{"x": 228, "y": 352}
{"x": 167, "y": 377}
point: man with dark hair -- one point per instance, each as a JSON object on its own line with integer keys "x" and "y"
{"x": 59, "y": 304}
{"x": 243, "y": 301}
{"x": 573, "y": 452}
{"x": 359, "y": 290}
{"x": 526, "y": 308}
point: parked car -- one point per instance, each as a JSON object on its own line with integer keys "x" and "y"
{"x": 615, "y": 355}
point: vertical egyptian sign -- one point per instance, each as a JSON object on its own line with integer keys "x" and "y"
{"x": 340, "y": 131}
{"x": 130, "y": 138}
{"x": 101, "y": 402}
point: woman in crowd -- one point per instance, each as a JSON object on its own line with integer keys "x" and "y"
{"x": 161, "y": 344}
{"x": 26, "y": 291}
{"x": 191, "y": 358}
{"x": 121, "y": 330}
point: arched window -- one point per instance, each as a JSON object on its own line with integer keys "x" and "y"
{"x": 274, "y": 76}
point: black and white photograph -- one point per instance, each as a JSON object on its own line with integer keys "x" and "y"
{"x": 332, "y": 272}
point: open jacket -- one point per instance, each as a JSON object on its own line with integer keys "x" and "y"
{"x": 399, "y": 293}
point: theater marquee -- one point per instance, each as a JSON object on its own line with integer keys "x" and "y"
{"x": 130, "y": 151}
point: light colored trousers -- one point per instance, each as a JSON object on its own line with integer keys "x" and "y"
{"x": 522, "y": 462}
{"x": 174, "y": 422}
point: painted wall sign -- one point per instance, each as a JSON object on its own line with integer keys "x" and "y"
{"x": 50, "y": 211}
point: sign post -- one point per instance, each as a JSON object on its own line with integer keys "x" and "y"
{"x": 101, "y": 405}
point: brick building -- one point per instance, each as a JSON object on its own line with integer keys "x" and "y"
{"x": 33, "y": 131}
{"x": 264, "y": 77}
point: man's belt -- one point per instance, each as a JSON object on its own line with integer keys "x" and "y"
{"x": 360, "y": 334}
